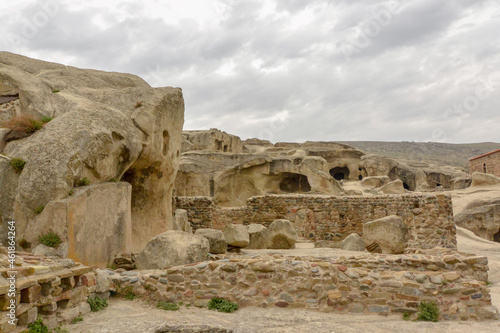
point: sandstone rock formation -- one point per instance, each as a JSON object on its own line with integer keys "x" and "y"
{"x": 353, "y": 242}
{"x": 484, "y": 179}
{"x": 375, "y": 181}
{"x": 236, "y": 235}
{"x": 482, "y": 217}
{"x": 394, "y": 187}
{"x": 390, "y": 233}
{"x": 106, "y": 126}
{"x": 281, "y": 235}
{"x": 95, "y": 221}
{"x": 216, "y": 239}
{"x": 172, "y": 248}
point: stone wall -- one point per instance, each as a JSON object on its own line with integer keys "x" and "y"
{"x": 365, "y": 283}
{"x": 429, "y": 217}
{"x": 56, "y": 293}
{"x": 200, "y": 210}
{"x": 491, "y": 160}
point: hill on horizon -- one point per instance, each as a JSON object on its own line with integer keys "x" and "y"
{"x": 456, "y": 154}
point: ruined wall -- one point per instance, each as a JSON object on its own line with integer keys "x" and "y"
{"x": 429, "y": 217}
{"x": 492, "y": 162}
{"x": 56, "y": 293}
{"x": 384, "y": 284}
{"x": 199, "y": 209}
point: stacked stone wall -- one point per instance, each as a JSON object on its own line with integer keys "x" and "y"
{"x": 56, "y": 293}
{"x": 317, "y": 217}
{"x": 386, "y": 284}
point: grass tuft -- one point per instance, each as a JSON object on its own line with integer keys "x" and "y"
{"x": 97, "y": 304}
{"x": 169, "y": 306}
{"x": 50, "y": 239}
{"x": 222, "y": 305}
{"x": 18, "y": 164}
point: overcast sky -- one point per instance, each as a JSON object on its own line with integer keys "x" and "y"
{"x": 289, "y": 70}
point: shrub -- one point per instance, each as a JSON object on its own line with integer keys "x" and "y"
{"x": 18, "y": 164}
{"x": 24, "y": 123}
{"x": 37, "y": 327}
{"x": 222, "y": 305}
{"x": 127, "y": 292}
{"x": 46, "y": 119}
{"x": 24, "y": 244}
{"x": 428, "y": 311}
{"x": 83, "y": 182}
{"x": 97, "y": 304}
{"x": 164, "y": 305}
{"x": 50, "y": 239}
{"x": 55, "y": 91}
{"x": 39, "y": 209}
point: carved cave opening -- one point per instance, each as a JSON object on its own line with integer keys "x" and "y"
{"x": 294, "y": 183}
{"x": 340, "y": 173}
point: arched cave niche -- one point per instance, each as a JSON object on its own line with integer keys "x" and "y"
{"x": 294, "y": 183}
{"x": 406, "y": 186}
{"x": 340, "y": 173}
{"x": 496, "y": 237}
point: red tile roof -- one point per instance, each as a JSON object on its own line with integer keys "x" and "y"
{"x": 491, "y": 152}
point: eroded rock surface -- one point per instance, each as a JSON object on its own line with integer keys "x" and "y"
{"x": 106, "y": 126}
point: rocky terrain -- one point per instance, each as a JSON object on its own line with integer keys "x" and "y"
{"x": 111, "y": 200}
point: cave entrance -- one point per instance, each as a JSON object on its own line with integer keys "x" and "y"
{"x": 406, "y": 186}
{"x": 496, "y": 237}
{"x": 294, "y": 183}
{"x": 340, "y": 173}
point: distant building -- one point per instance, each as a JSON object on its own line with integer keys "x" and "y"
{"x": 486, "y": 163}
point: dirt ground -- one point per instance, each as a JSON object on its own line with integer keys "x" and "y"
{"x": 135, "y": 316}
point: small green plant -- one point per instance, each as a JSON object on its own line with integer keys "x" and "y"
{"x": 164, "y": 305}
{"x": 127, "y": 293}
{"x": 37, "y": 327}
{"x": 39, "y": 209}
{"x": 34, "y": 125}
{"x": 50, "y": 239}
{"x": 113, "y": 180}
{"x": 138, "y": 105}
{"x": 83, "y": 182}
{"x": 77, "y": 319}
{"x": 428, "y": 311}
{"x": 18, "y": 164}
{"x": 46, "y": 119}
{"x": 406, "y": 316}
{"x": 97, "y": 304}
{"x": 222, "y": 305}
{"x": 71, "y": 192}
{"x": 55, "y": 91}
{"x": 24, "y": 244}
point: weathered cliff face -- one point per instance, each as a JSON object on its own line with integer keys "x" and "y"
{"x": 106, "y": 126}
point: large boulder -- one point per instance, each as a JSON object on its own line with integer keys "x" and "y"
{"x": 484, "y": 179}
{"x": 394, "y": 187}
{"x": 281, "y": 235}
{"x": 106, "y": 126}
{"x": 376, "y": 165}
{"x": 482, "y": 217}
{"x": 353, "y": 242}
{"x": 259, "y": 238}
{"x": 173, "y": 248}
{"x": 216, "y": 239}
{"x": 390, "y": 233}
{"x": 237, "y": 235}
